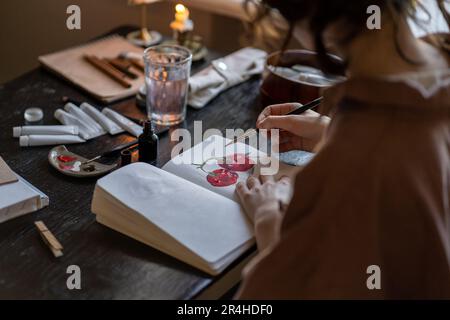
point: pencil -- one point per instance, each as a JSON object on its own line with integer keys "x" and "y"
{"x": 296, "y": 111}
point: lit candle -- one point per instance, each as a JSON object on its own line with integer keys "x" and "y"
{"x": 181, "y": 13}
{"x": 182, "y": 22}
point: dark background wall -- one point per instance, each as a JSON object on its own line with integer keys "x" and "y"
{"x": 29, "y": 28}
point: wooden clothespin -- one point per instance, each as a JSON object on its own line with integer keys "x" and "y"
{"x": 49, "y": 239}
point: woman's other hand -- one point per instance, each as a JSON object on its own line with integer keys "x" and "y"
{"x": 264, "y": 200}
{"x": 297, "y": 132}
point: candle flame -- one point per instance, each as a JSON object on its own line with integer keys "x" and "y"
{"x": 179, "y": 8}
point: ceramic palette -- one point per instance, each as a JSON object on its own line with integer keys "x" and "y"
{"x": 71, "y": 164}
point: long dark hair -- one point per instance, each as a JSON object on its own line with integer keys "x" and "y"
{"x": 322, "y": 13}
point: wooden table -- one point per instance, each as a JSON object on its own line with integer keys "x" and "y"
{"x": 113, "y": 266}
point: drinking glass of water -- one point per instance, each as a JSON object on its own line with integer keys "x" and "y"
{"x": 167, "y": 71}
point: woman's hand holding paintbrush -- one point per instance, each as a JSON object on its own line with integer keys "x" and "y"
{"x": 300, "y": 127}
{"x": 297, "y": 132}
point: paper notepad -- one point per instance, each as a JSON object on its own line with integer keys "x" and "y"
{"x": 19, "y": 198}
{"x": 6, "y": 174}
{"x": 71, "y": 65}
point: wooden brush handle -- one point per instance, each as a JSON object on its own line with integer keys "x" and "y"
{"x": 123, "y": 67}
{"x": 138, "y": 64}
{"x": 108, "y": 70}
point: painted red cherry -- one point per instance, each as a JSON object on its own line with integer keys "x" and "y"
{"x": 237, "y": 162}
{"x": 222, "y": 178}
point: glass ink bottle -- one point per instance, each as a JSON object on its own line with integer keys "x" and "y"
{"x": 148, "y": 144}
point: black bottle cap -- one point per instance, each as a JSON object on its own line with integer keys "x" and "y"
{"x": 148, "y": 127}
{"x": 125, "y": 157}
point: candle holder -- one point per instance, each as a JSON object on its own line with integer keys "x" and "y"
{"x": 182, "y": 26}
{"x": 144, "y": 37}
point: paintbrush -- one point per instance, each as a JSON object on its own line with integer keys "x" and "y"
{"x": 113, "y": 152}
{"x": 116, "y": 150}
{"x": 296, "y": 111}
{"x": 122, "y": 66}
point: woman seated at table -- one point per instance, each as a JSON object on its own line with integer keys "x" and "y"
{"x": 370, "y": 215}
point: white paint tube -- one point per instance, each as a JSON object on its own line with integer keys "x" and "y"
{"x": 103, "y": 120}
{"x": 48, "y": 140}
{"x": 83, "y": 116}
{"x": 124, "y": 123}
{"x": 44, "y": 130}
{"x": 84, "y": 130}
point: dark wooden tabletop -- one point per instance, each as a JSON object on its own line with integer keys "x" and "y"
{"x": 113, "y": 266}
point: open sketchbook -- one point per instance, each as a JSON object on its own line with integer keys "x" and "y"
{"x": 187, "y": 209}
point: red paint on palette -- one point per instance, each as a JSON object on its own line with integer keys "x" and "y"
{"x": 64, "y": 159}
{"x": 65, "y": 167}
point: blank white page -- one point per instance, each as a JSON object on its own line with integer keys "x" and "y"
{"x": 210, "y": 225}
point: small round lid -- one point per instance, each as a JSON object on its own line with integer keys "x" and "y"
{"x": 33, "y": 114}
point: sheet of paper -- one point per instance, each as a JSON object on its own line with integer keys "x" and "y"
{"x": 6, "y": 174}
{"x": 202, "y": 165}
